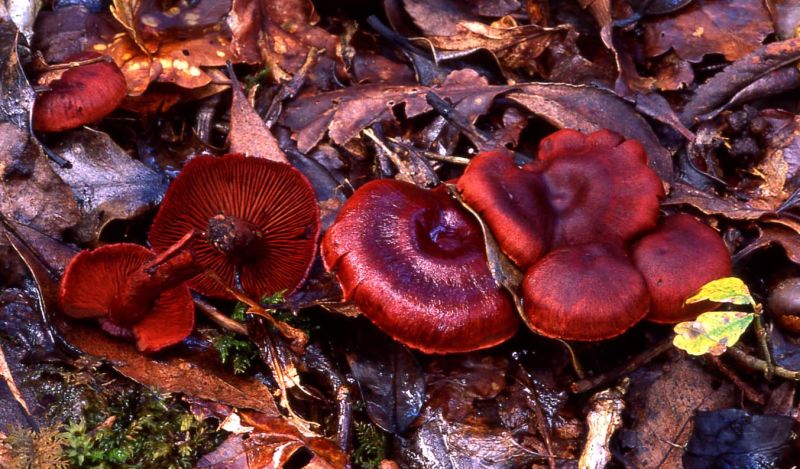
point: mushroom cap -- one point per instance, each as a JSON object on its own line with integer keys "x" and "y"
{"x": 585, "y": 292}
{"x": 93, "y": 279}
{"x": 599, "y": 185}
{"x": 82, "y": 95}
{"x": 275, "y": 198}
{"x": 414, "y": 262}
{"x": 676, "y": 259}
{"x": 513, "y": 203}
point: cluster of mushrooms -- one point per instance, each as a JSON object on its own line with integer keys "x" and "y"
{"x": 582, "y": 221}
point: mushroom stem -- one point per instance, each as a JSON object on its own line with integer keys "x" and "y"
{"x": 169, "y": 269}
{"x": 231, "y": 235}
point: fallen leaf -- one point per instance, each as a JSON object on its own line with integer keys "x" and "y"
{"x": 732, "y": 28}
{"x": 712, "y": 332}
{"x": 249, "y": 134}
{"x": 107, "y": 183}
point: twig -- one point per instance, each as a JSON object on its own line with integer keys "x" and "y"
{"x": 453, "y": 116}
{"x": 216, "y": 315}
{"x": 748, "y": 390}
{"x": 577, "y": 367}
{"x": 541, "y": 422}
{"x": 634, "y": 364}
{"x": 763, "y": 341}
{"x": 758, "y": 364}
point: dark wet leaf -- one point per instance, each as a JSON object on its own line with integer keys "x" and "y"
{"x": 392, "y": 384}
{"x": 660, "y": 7}
{"x": 712, "y": 204}
{"x": 107, "y": 183}
{"x": 724, "y": 85}
{"x": 732, "y": 28}
{"x": 588, "y": 109}
{"x": 736, "y": 438}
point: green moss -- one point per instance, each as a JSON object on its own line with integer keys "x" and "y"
{"x": 35, "y": 450}
{"x": 240, "y": 354}
{"x": 369, "y": 446}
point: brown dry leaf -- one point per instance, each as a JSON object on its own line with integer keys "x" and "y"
{"x": 199, "y": 374}
{"x": 515, "y": 46}
{"x": 344, "y": 113}
{"x": 774, "y": 235}
{"x": 712, "y": 204}
{"x": 589, "y": 109}
{"x": 661, "y": 404}
{"x": 280, "y": 35}
{"x": 732, "y": 28}
{"x": 271, "y": 443}
{"x": 724, "y": 85}
{"x": 249, "y": 134}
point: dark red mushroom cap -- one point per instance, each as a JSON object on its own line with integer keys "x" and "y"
{"x": 678, "y": 258}
{"x": 260, "y": 219}
{"x": 513, "y": 202}
{"x": 94, "y": 279}
{"x": 584, "y": 292}
{"x": 415, "y": 264}
{"x": 600, "y": 186}
{"x": 82, "y": 95}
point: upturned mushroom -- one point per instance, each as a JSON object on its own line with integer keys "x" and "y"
{"x": 80, "y": 95}
{"x": 584, "y": 292}
{"x": 132, "y": 292}
{"x": 676, "y": 259}
{"x": 259, "y": 222}
{"x": 414, "y": 263}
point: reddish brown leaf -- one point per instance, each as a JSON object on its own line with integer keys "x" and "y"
{"x": 732, "y": 28}
{"x": 249, "y": 135}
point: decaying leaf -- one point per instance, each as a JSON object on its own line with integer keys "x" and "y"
{"x": 731, "y": 28}
{"x": 725, "y": 290}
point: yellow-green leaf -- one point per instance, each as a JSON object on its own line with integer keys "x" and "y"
{"x": 711, "y": 332}
{"x": 724, "y": 290}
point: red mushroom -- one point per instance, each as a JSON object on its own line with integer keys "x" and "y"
{"x": 514, "y": 204}
{"x": 584, "y": 292}
{"x": 132, "y": 292}
{"x": 259, "y": 218}
{"x": 415, "y": 264}
{"x": 678, "y": 258}
{"x": 599, "y": 185}
{"x": 81, "y": 95}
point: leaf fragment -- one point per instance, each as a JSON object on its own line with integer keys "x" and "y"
{"x": 711, "y": 332}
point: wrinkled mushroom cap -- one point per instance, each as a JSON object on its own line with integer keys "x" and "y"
{"x": 276, "y": 199}
{"x": 678, "y": 258}
{"x": 512, "y": 202}
{"x": 584, "y": 292}
{"x": 93, "y": 279}
{"x": 414, "y": 263}
{"x": 599, "y": 185}
{"x": 82, "y": 95}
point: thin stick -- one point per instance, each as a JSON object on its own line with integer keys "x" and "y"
{"x": 637, "y": 361}
{"x": 758, "y": 364}
{"x": 218, "y": 317}
{"x": 763, "y": 341}
{"x": 748, "y": 390}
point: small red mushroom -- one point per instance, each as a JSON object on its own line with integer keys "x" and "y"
{"x": 514, "y": 204}
{"x": 585, "y": 292}
{"x": 81, "y": 95}
{"x": 260, "y": 221}
{"x": 599, "y": 185}
{"x": 132, "y": 292}
{"x": 415, "y": 264}
{"x": 676, "y": 259}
